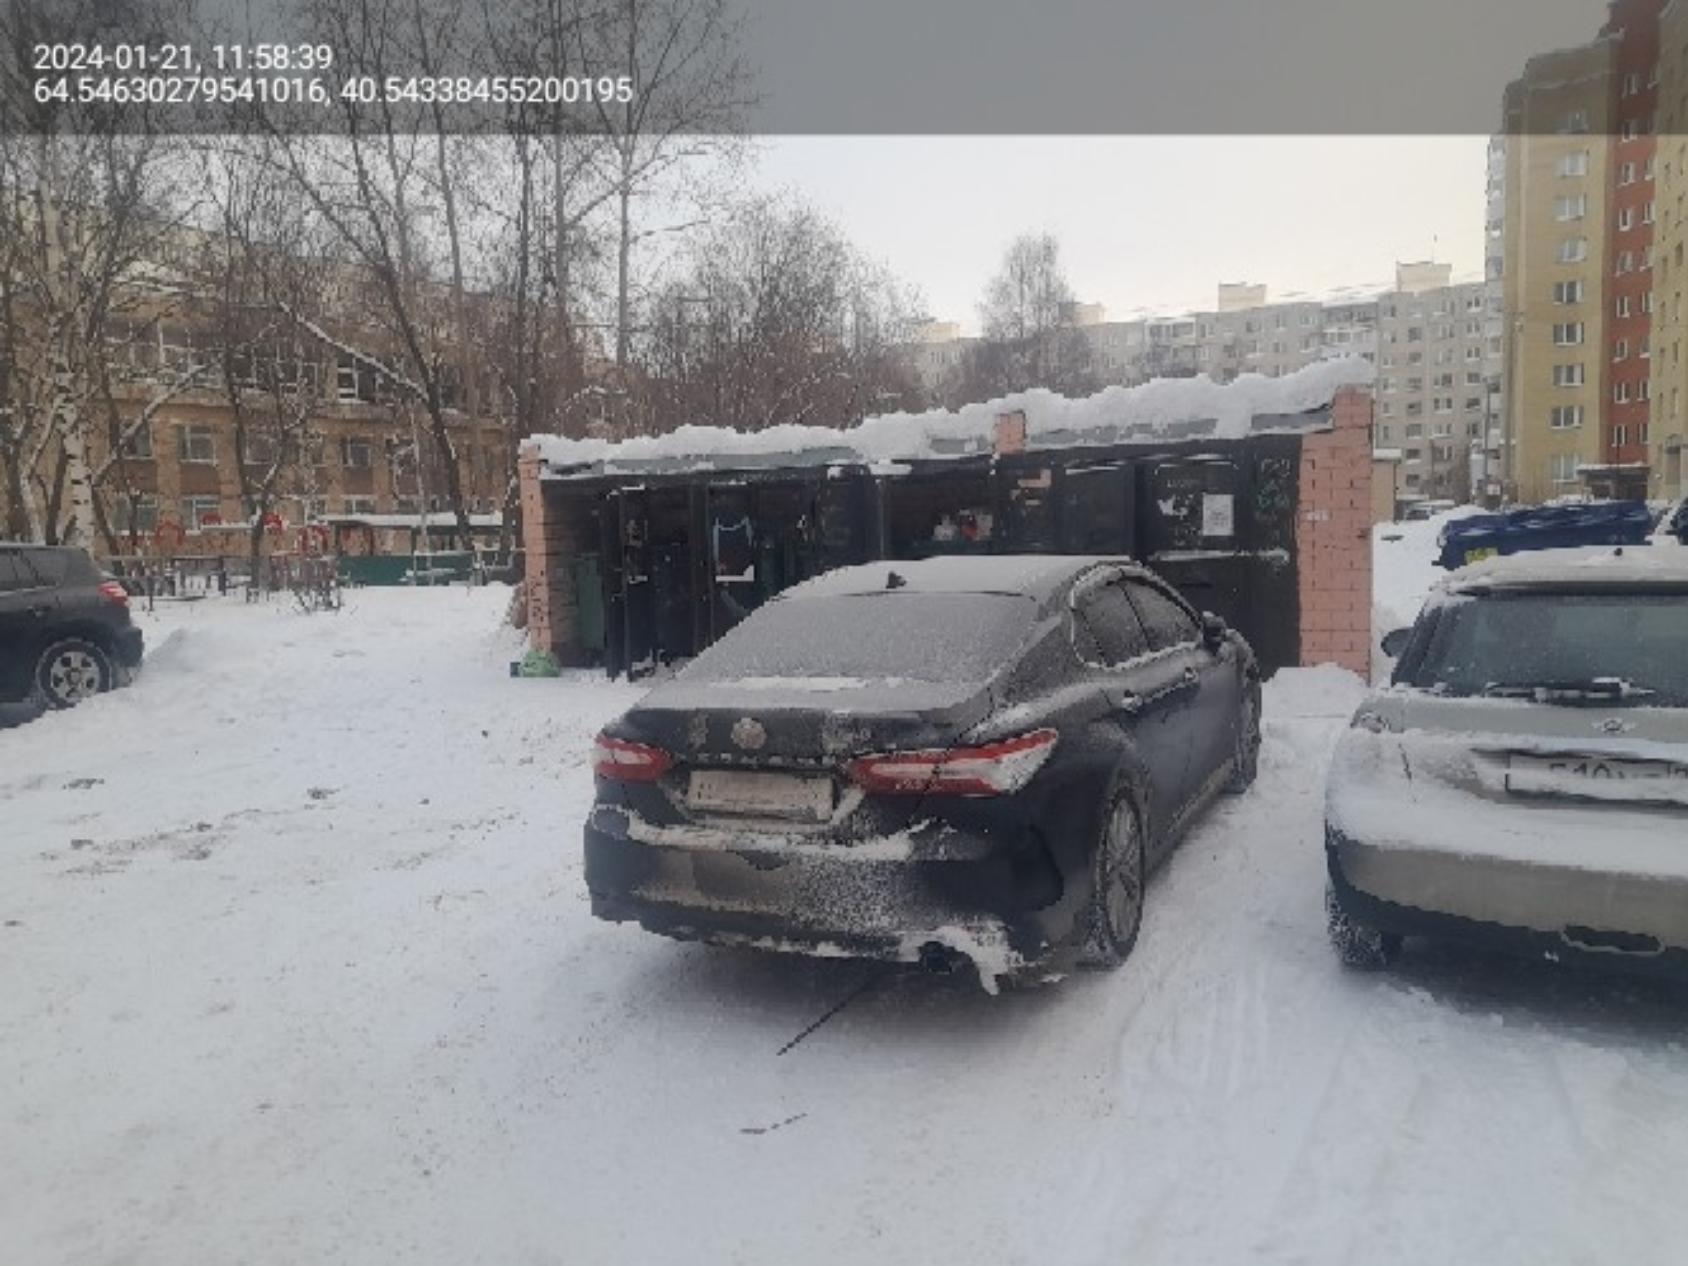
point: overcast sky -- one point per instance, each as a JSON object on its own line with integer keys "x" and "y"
{"x": 1146, "y": 223}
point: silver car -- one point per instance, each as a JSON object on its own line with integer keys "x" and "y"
{"x": 1524, "y": 780}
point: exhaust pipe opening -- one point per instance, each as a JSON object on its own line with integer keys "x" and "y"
{"x": 939, "y": 959}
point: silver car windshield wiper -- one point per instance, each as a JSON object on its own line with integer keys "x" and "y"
{"x": 1593, "y": 690}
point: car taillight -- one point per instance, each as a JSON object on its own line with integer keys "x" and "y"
{"x": 628, "y": 762}
{"x": 111, "y": 591}
{"x": 990, "y": 770}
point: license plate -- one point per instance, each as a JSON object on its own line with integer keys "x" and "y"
{"x": 805, "y": 797}
{"x": 1598, "y": 778}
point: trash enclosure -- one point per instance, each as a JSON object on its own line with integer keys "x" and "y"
{"x": 636, "y": 559}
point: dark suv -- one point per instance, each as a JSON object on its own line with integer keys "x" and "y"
{"x": 65, "y": 631}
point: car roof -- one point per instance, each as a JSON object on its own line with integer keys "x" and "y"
{"x": 1597, "y": 567}
{"x": 1036, "y": 576}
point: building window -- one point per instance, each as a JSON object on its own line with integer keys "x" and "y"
{"x": 356, "y": 454}
{"x": 1574, "y": 122}
{"x": 136, "y": 514}
{"x": 196, "y": 444}
{"x": 1626, "y": 219}
{"x": 358, "y": 505}
{"x": 1444, "y": 404}
{"x": 198, "y": 511}
{"x": 1562, "y": 468}
{"x": 1626, "y": 263}
{"x": 1620, "y": 349}
{"x": 1574, "y": 207}
{"x": 258, "y": 449}
{"x": 1621, "y": 306}
{"x": 1415, "y": 430}
{"x": 1647, "y": 212}
{"x": 1568, "y": 335}
{"x": 139, "y": 445}
{"x": 1564, "y": 292}
{"x": 1644, "y": 389}
{"x": 1566, "y": 417}
{"x": 1573, "y": 250}
{"x": 1620, "y": 393}
{"x": 1620, "y": 435}
{"x": 1647, "y": 301}
{"x": 1575, "y": 164}
{"x": 1646, "y": 350}
{"x": 1626, "y": 174}
{"x": 1568, "y": 375}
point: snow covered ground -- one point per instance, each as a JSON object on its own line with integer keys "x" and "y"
{"x": 298, "y": 968}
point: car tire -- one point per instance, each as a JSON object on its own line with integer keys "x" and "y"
{"x": 1358, "y": 944}
{"x": 1115, "y": 912}
{"x": 1246, "y": 760}
{"x": 69, "y": 670}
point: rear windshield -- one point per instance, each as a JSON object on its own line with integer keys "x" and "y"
{"x": 1486, "y": 644}
{"x": 950, "y": 637}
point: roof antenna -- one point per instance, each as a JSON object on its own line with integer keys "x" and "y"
{"x": 894, "y": 581}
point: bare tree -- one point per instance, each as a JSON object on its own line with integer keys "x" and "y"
{"x": 388, "y": 191}
{"x": 89, "y": 220}
{"x": 688, "y": 90}
{"x": 776, "y": 319}
{"x": 1025, "y": 315}
{"x": 264, "y": 276}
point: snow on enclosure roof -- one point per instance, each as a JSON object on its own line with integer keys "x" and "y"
{"x": 1598, "y": 566}
{"x": 1164, "y": 409}
{"x": 1035, "y": 575}
{"x": 433, "y": 520}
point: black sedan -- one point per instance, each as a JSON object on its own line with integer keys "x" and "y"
{"x": 961, "y": 760}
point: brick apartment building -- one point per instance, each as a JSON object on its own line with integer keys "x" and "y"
{"x": 1668, "y": 365}
{"x": 1577, "y": 261}
{"x": 361, "y": 450}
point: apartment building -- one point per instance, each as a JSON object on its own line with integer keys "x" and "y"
{"x": 1489, "y": 473}
{"x": 1669, "y": 366}
{"x": 168, "y": 452}
{"x": 1435, "y": 363}
{"x": 1558, "y": 119}
{"x": 1577, "y": 260}
{"x": 360, "y": 454}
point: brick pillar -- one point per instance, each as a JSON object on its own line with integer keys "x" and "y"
{"x": 550, "y": 582}
{"x": 1333, "y": 537}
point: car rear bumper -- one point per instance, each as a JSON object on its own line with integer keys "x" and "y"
{"x": 1541, "y": 909}
{"x": 994, "y": 907}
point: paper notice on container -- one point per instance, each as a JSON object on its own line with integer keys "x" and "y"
{"x": 1219, "y": 515}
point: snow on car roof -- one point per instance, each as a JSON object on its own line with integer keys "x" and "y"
{"x": 1590, "y": 567}
{"x": 1159, "y": 410}
{"x": 1035, "y": 575}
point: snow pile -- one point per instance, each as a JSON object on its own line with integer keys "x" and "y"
{"x": 1165, "y": 407}
{"x": 299, "y": 967}
{"x": 1404, "y": 571}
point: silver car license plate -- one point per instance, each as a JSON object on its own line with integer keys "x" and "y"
{"x": 1598, "y": 778}
{"x": 803, "y": 797}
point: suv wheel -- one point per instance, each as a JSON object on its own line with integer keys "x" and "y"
{"x": 70, "y": 670}
{"x": 1358, "y": 944}
{"x": 1116, "y": 903}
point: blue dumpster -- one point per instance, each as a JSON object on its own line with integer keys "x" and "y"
{"x": 1543, "y": 527}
